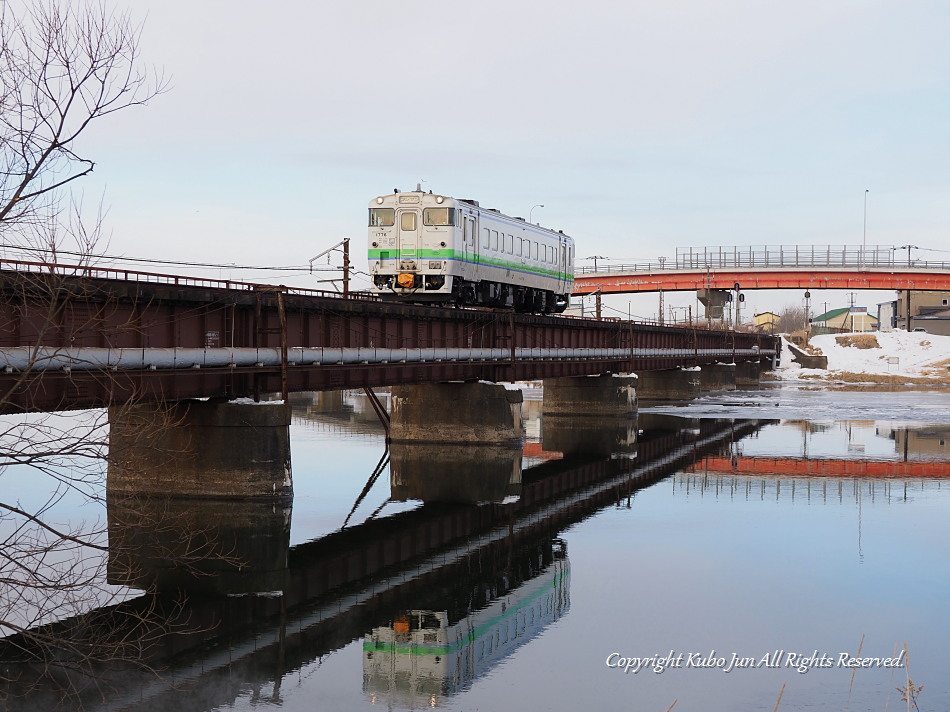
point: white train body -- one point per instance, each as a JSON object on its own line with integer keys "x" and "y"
{"x": 432, "y": 248}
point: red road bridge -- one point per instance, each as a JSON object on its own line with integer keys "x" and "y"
{"x": 79, "y": 337}
{"x": 770, "y": 267}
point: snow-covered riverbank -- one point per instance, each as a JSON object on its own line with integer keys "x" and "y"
{"x": 875, "y": 357}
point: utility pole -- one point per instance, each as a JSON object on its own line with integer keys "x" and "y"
{"x": 661, "y": 307}
{"x": 346, "y": 267}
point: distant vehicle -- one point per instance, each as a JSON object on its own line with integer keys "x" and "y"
{"x": 920, "y": 328}
{"x": 440, "y": 250}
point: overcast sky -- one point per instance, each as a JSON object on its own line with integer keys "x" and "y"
{"x": 640, "y": 126}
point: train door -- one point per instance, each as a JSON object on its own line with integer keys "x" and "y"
{"x": 470, "y": 242}
{"x": 409, "y": 236}
{"x": 562, "y": 265}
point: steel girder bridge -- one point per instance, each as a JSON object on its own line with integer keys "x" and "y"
{"x": 81, "y": 337}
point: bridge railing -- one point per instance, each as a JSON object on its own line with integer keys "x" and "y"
{"x": 128, "y": 275}
{"x": 777, "y": 256}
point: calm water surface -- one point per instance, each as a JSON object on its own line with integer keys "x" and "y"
{"x": 752, "y": 524}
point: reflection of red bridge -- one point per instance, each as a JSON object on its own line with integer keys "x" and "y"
{"x": 800, "y": 467}
{"x": 531, "y": 449}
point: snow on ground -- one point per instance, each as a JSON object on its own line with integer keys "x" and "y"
{"x": 897, "y": 354}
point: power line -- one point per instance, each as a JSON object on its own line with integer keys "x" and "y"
{"x": 177, "y": 263}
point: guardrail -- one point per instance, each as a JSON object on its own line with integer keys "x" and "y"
{"x": 778, "y": 256}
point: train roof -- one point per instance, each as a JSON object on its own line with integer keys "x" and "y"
{"x": 467, "y": 201}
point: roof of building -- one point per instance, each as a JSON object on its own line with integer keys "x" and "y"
{"x": 831, "y": 314}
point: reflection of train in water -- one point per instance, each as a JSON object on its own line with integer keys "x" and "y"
{"x": 432, "y": 248}
{"x": 424, "y": 656}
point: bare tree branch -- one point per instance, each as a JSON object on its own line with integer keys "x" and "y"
{"x": 62, "y": 67}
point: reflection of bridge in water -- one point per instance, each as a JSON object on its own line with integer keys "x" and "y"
{"x": 823, "y": 490}
{"x": 450, "y": 559}
{"x": 820, "y": 467}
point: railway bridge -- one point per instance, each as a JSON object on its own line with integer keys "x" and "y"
{"x": 173, "y": 358}
{"x": 81, "y": 337}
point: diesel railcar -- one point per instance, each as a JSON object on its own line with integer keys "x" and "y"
{"x": 441, "y": 250}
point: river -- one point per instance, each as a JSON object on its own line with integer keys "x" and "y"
{"x": 787, "y": 541}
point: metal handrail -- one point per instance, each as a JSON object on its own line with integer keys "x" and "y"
{"x": 777, "y": 256}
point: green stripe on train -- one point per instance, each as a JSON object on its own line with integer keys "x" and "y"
{"x": 480, "y": 260}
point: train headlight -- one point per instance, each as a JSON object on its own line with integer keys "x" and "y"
{"x": 375, "y": 244}
{"x": 379, "y": 200}
{"x": 442, "y": 244}
{"x": 439, "y": 199}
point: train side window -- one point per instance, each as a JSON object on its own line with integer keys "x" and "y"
{"x": 518, "y": 247}
{"x": 407, "y": 221}
{"x": 438, "y": 216}
{"x": 510, "y": 244}
{"x": 494, "y": 239}
{"x": 486, "y": 238}
{"x": 534, "y": 250}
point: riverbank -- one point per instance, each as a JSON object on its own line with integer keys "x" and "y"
{"x": 896, "y": 357}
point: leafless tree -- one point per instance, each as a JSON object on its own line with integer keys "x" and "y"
{"x": 791, "y": 319}
{"x": 63, "y": 67}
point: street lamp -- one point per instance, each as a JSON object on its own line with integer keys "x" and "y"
{"x": 532, "y": 210}
{"x": 595, "y": 258}
{"x": 864, "y": 238}
{"x": 908, "y": 248}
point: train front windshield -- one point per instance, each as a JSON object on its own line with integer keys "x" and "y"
{"x": 382, "y": 217}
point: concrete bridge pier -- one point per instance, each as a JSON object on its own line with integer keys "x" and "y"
{"x": 747, "y": 374}
{"x": 230, "y": 450}
{"x": 593, "y": 416}
{"x": 456, "y": 442}
{"x": 718, "y": 377}
{"x": 670, "y": 384}
{"x": 470, "y": 413}
{"x": 199, "y": 496}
